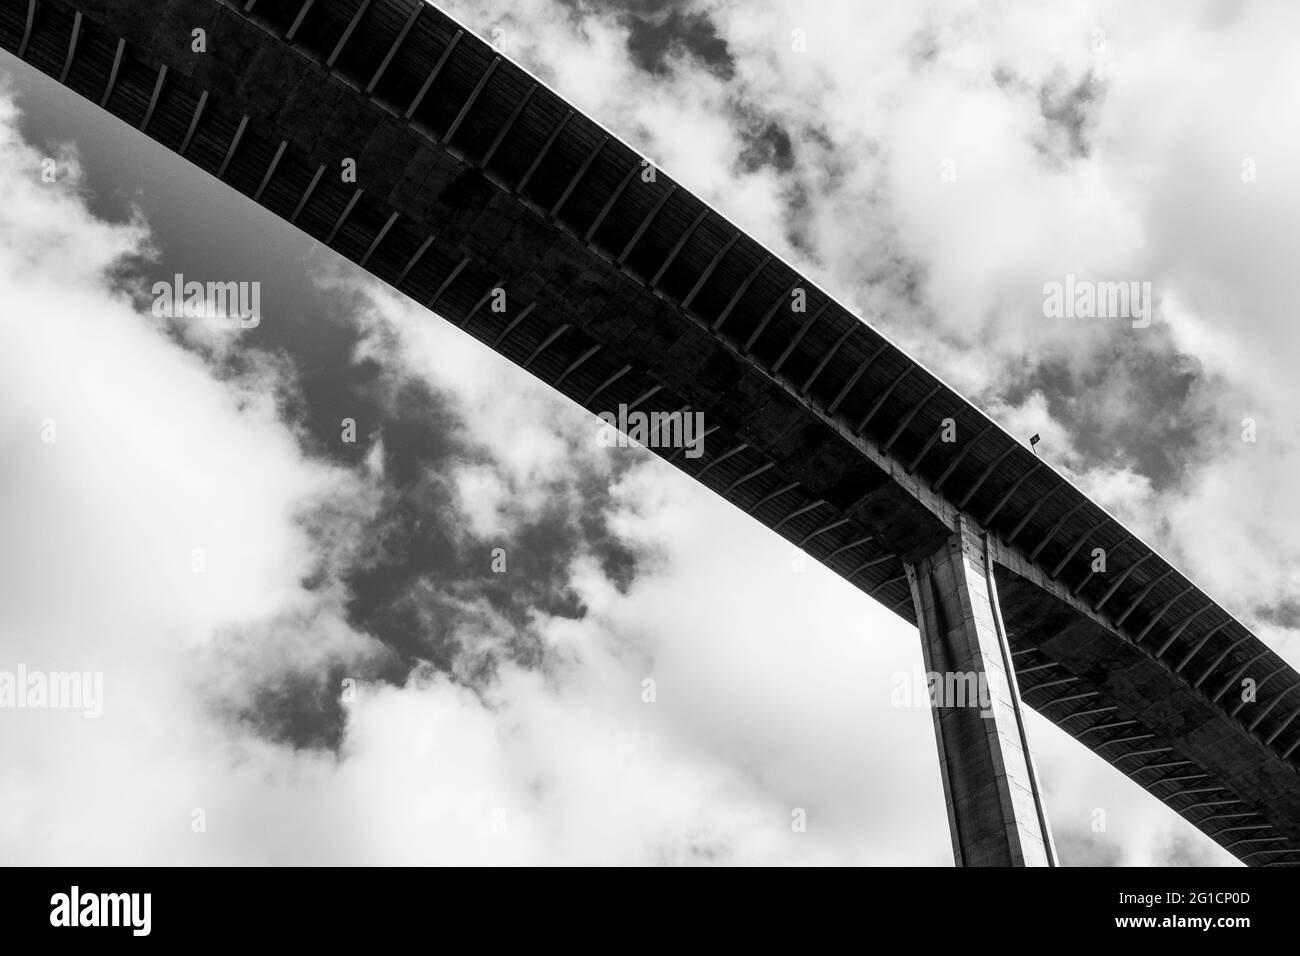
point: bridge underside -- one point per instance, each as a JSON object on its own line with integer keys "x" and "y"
{"x": 622, "y": 291}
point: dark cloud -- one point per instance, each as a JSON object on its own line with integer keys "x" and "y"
{"x": 299, "y": 708}
{"x": 421, "y": 583}
{"x": 1285, "y": 613}
{"x": 1138, "y": 403}
{"x": 660, "y": 28}
{"x": 766, "y": 143}
{"x": 1067, "y": 112}
{"x": 798, "y": 225}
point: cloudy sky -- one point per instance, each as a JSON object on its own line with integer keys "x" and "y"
{"x": 182, "y": 514}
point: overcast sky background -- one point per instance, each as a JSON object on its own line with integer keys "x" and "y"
{"x": 500, "y": 716}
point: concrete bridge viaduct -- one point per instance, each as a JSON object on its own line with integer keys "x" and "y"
{"x": 624, "y": 289}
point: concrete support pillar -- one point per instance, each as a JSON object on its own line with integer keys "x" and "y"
{"x": 995, "y": 810}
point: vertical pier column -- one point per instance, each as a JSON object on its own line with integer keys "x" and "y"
{"x": 995, "y": 810}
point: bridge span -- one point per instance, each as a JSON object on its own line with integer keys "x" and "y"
{"x": 621, "y": 288}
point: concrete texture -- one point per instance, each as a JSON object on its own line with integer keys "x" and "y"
{"x": 995, "y": 810}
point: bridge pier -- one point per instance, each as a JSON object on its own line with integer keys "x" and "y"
{"x": 995, "y": 810}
